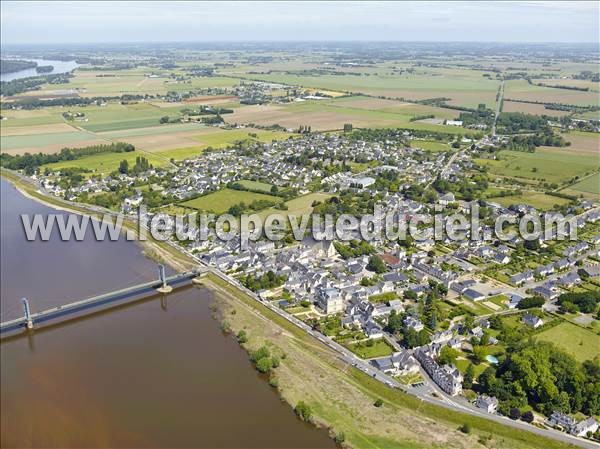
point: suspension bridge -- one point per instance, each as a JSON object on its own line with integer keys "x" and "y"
{"x": 164, "y": 284}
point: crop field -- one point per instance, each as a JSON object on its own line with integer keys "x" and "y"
{"x": 321, "y": 115}
{"x": 221, "y": 200}
{"x": 540, "y": 201}
{"x": 530, "y": 108}
{"x": 521, "y": 90}
{"x": 218, "y": 137}
{"x": 106, "y": 83}
{"x": 463, "y": 87}
{"x": 24, "y": 118}
{"x": 548, "y": 164}
{"x": 584, "y": 142}
{"x": 106, "y": 163}
{"x": 580, "y": 343}
{"x": 36, "y": 129}
{"x": 32, "y": 142}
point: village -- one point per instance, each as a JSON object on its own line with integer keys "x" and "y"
{"x": 432, "y": 314}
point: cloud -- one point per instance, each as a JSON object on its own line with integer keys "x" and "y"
{"x": 37, "y": 22}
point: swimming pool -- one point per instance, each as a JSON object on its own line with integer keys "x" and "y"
{"x": 493, "y": 360}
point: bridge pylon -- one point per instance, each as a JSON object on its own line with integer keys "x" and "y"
{"x": 27, "y": 311}
{"x": 164, "y": 288}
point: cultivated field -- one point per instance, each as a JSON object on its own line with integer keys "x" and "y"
{"x": 589, "y": 187}
{"x": 530, "y": 108}
{"x": 521, "y": 90}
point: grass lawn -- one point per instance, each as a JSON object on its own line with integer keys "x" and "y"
{"x": 256, "y": 185}
{"x": 298, "y": 206}
{"x": 540, "y": 201}
{"x": 107, "y": 162}
{"x": 430, "y": 145}
{"x": 221, "y": 200}
{"x": 380, "y": 348}
{"x": 580, "y": 343}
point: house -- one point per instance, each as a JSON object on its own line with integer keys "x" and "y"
{"x": 447, "y": 199}
{"x": 592, "y": 271}
{"x": 487, "y": 403}
{"x": 559, "y": 419}
{"x": 398, "y": 364}
{"x": 584, "y": 427}
{"x": 515, "y": 299}
{"x": 532, "y": 320}
{"x": 447, "y": 377}
{"x": 473, "y": 294}
{"x": 329, "y": 300}
{"x": 545, "y": 292}
{"x": 413, "y": 323}
{"x": 521, "y": 278}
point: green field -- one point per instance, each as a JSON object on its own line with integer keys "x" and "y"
{"x": 430, "y": 145}
{"x": 256, "y": 185}
{"x": 580, "y": 343}
{"x": 540, "y": 201}
{"x": 42, "y": 140}
{"x": 107, "y": 162}
{"x": 553, "y": 165}
{"x": 221, "y": 200}
{"x": 298, "y": 206}
{"x": 220, "y": 138}
{"x": 380, "y": 348}
{"x": 588, "y": 185}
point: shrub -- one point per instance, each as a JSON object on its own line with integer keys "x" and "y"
{"x": 303, "y": 411}
{"x": 465, "y": 428}
{"x": 242, "y": 337}
{"x": 378, "y": 403}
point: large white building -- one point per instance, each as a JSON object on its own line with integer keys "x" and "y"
{"x": 330, "y": 300}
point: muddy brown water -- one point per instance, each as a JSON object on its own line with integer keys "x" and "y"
{"x": 154, "y": 373}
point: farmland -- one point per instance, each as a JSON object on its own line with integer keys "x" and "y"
{"x": 221, "y": 200}
{"x": 521, "y": 90}
{"x": 553, "y": 165}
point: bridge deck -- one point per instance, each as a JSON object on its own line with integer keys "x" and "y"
{"x": 95, "y": 301}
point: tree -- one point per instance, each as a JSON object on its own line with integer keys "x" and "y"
{"x": 264, "y": 365}
{"x": 242, "y": 337}
{"x": 465, "y": 428}
{"x": 378, "y": 402}
{"x": 527, "y": 416}
{"x": 447, "y": 355}
{"x": 531, "y": 302}
{"x": 164, "y": 119}
{"x": 124, "y": 167}
{"x": 347, "y": 127}
{"x": 469, "y": 376}
{"x": 376, "y": 264}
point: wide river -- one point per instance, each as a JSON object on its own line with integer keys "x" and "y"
{"x": 150, "y": 374}
{"x": 59, "y": 67}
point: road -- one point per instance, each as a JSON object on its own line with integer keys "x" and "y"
{"x": 423, "y": 393}
{"x": 498, "y": 105}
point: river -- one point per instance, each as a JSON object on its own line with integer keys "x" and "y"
{"x": 150, "y": 374}
{"x": 59, "y": 67}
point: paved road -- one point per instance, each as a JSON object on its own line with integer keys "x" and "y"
{"x": 424, "y": 393}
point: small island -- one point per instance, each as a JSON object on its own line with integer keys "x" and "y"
{"x": 44, "y": 68}
{"x": 15, "y": 65}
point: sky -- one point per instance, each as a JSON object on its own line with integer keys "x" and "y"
{"x": 105, "y": 21}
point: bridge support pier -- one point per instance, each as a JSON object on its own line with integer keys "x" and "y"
{"x": 27, "y": 312}
{"x": 164, "y": 288}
